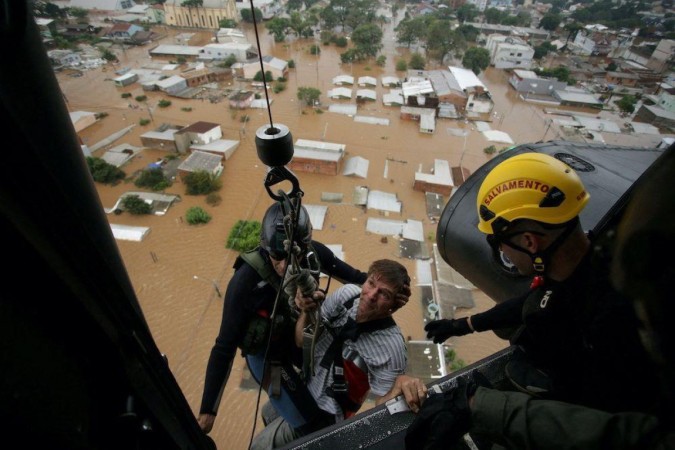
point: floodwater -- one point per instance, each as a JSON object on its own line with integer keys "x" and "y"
{"x": 184, "y": 313}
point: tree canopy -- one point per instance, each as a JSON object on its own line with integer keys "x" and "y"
{"x": 103, "y": 172}
{"x": 476, "y": 59}
{"x": 201, "y": 182}
{"x": 308, "y": 95}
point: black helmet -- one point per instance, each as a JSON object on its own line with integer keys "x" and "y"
{"x": 273, "y": 234}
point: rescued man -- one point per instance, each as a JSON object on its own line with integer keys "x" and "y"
{"x": 361, "y": 350}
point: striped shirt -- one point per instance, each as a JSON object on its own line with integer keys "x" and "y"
{"x": 383, "y": 351}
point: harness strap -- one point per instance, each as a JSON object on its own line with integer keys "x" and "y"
{"x": 334, "y": 361}
{"x": 256, "y": 260}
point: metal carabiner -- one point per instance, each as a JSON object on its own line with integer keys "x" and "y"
{"x": 277, "y": 175}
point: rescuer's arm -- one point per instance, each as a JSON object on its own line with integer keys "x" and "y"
{"x": 335, "y": 267}
{"x": 518, "y": 420}
{"x": 503, "y": 315}
{"x": 232, "y": 328}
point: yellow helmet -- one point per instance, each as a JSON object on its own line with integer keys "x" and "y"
{"x": 531, "y": 186}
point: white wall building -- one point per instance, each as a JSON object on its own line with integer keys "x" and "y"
{"x": 242, "y": 52}
{"x": 507, "y": 52}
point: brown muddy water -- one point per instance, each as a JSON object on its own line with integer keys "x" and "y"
{"x": 184, "y": 313}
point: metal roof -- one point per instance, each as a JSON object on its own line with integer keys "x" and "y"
{"x": 366, "y": 93}
{"x": 317, "y": 215}
{"x": 348, "y": 110}
{"x": 466, "y": 78}
{"x": 129, "y": 233}
{"x": 340, "y": 92}
{"x": 441, "y": 174}
{"x": 371, "y": 120}
{"x": 386, "y": 227}
{"x": 383, "y": 201}
{"x": 498, "y": 136}
{"x": 356, "y": 166}
{"x": 342, "y": 79}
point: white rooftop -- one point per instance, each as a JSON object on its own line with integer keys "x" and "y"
{"x": 386, "y": 227}
{"x": 340, "y": 92}
{"x": 349, "y": 110}
{"x": 383, "y": 201}
{"x": 343, "y": 79}
{"x": 356, "y": 166}
{"x": 317, "y": 215}
{"x": 363, "y": 81}
{"x": 466, "y": 78}
{"x": 129, "y": 233}
{"x": 498, "y": 136}
{"x": 441, "y": 174}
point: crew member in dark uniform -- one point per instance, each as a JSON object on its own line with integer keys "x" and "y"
{"x": 248, "y": 305}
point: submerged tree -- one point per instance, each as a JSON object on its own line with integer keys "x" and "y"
{"x": 476, "y": 59}
{"x": 308, "y": 95}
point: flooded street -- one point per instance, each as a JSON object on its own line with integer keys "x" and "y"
{"x": 183, "y": 312}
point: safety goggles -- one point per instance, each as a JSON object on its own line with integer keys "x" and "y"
{"x": 276, "y": 247}
{"x": 495, "y": 241}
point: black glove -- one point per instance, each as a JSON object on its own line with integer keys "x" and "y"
{"x": 444, "y": 418}
{"x": 440, "y": 330}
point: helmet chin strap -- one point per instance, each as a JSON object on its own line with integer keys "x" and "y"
{"x": 540, "y": 259}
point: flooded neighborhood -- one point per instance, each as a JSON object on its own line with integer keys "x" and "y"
{"x": 382, "y": 142}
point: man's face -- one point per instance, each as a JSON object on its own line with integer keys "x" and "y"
{"x": 279, "y": 266}
{"x": 520, "y": 260}
{"x": 378, "y": 300}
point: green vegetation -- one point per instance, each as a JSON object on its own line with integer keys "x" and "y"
{"x": 341, "y": 41}
{"x": 381, "y": 61}
{"x": 543, "y": 49}
{"x": 135, "y": 205}
{"x": 153, "y": 178}
{"x": 247, "y": 16}
{"x": 491, "y": 150}
{"x": 561, "y": 73}
{"x": 609, "y": 14}
{"x": 213, "y": 199}
{"x": 201, "y": 182}
{"x": 550, "y": 21}
{"x": 291, "y": 64}
{"x": 126, "y": 94}
{"x": 107, "y": 54}
{"x": 367, "y": 39}
{"x": 314, "y": 49}
{"x": 627, "y": 103}
{"x": 476, "y": 59}
{"x": 196, "y": 215}
{"x": 228, "y": 62}
{"x": 141, "y": 98}
{"x": 279, "y": 87}
{"x": 227, "y": 23}
{"x": 163, "y": 103}
{"x": 309, "y": 95}
{"x": 143, "y": 122}
{"x": 401, "y": 65}
{"x": 186, "y": 109}
{"x": 244, "y": 236}
{"x": 467, "y": 13}
{"x": 417, "y": 61}
{"x": 451, "y": 360}
{"x": 101, "y": 115}
{"x": 259, "y": 76}
{"x": 103, "y": 172}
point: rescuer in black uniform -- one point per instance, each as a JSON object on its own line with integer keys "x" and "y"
{"x": 576, "y": 336}
{"x": 639, "y": 271}
{"x": 249, "y": 301}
